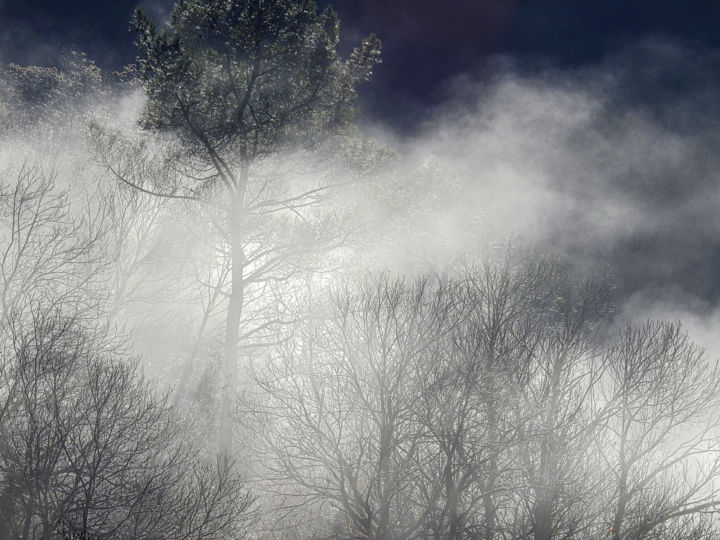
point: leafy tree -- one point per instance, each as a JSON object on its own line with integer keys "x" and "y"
{"x": 236, "y": 83}
{"x": 43, "y": 99}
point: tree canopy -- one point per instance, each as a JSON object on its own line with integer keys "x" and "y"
{"x": 240, "y": 80}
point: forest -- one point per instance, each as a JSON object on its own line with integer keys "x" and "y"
{"x": 228, "y": 310}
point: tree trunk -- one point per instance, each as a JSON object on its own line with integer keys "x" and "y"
{"x": 620, "y": 509}
{"x": 622, "y": 487}
{"x": 545, "y": 492}
{"x": 452, "y": 500}
{"x": 489, "y": 503}
{"x": 488, "y": 499}
{"x": 235, "y": 310}
{"x": 542, "y": 526}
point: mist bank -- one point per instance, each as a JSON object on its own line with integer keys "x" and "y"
{"x": 613, "y": 166}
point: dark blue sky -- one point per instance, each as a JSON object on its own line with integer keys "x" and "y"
{"x": 426, "y": 42}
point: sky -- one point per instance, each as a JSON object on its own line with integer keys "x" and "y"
{"x": 427, "y": 43}
{"x": 589, "y": 128}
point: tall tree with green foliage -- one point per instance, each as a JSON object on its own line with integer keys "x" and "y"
{"x": 237, "y": 82}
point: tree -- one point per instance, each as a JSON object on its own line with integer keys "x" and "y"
{"x": 495, "y": 403}
{"x": 42, "y": 102}
{"x": 48, "y": 254}
{"x": 90, "y": 449}
{"x": 342, "y": 408}
{"x": 469, "y": 390}
{"x": 661, "y": 446}
{"x": 560, "y": 412}
{"x": 236, "y": 83}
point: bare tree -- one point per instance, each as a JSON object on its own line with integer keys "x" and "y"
{"x": 343, "y": 407}
{"x": 91, "y": 449}
{"x": 561, "y": 411}
{"x": 470, "y": 389}
{"x": 497, "y": 403}
{"x": 47, "y": 253}
{"x": 661, "y": 447}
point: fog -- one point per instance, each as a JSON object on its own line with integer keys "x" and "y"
{"x": 611, "y": 166}
{"x": 606, "y": 171}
